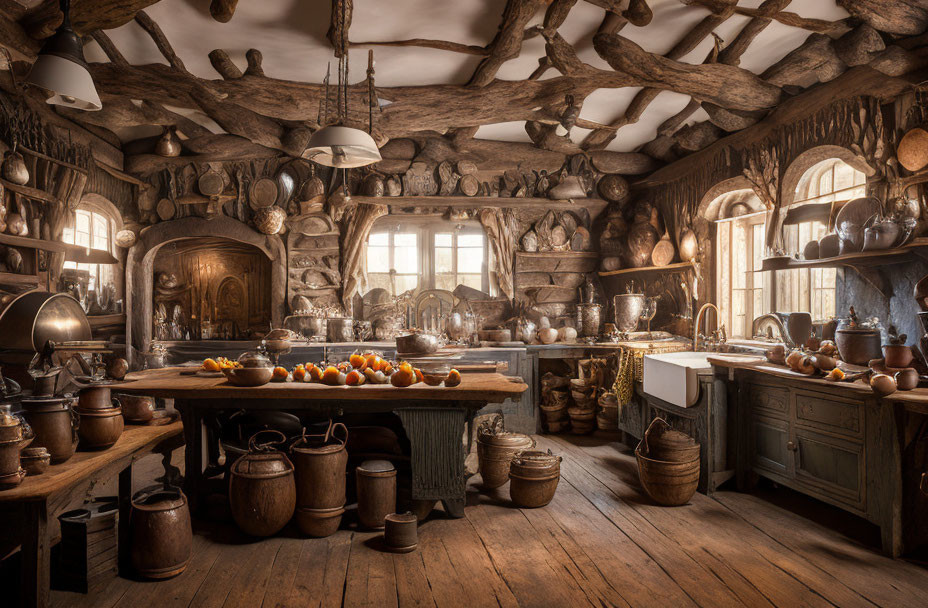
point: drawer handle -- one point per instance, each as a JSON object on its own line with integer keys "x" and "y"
{"x": 791, "y": 446}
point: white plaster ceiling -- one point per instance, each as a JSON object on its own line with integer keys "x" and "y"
{"x": 291, "y": 36}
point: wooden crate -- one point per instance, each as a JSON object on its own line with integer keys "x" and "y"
{"x": 89, "y": 545}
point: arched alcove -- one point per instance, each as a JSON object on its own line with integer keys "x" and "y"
{"x": 141, "y": 258}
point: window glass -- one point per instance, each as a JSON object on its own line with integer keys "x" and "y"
{"x": 92, "y": 230}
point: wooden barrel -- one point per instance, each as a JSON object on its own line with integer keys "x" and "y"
{"x": 319, "y": 463}
{"x": 160, "y": 532}
{"x": 495, "y": 449}
{"x": 533, "y": 478}
{"x": 376, "y": 483}
{"x": 668, "y": 483}
{"x": 262, "y": 492}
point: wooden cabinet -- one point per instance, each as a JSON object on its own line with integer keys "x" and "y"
{"x": 838, "y": 446}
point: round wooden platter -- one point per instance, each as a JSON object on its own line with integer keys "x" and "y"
{"x": 263, "y": 193}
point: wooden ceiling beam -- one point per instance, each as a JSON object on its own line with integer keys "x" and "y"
{"x": 905, "y": 17}
{"x": 821, "y": 26}
{"x": 86, "y": 16}
{"x": 109, "y": 49}
{"x": 507, "y": 43}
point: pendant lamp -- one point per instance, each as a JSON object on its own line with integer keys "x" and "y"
{"x": 336, "y": 145}
{"x": 60, "y": 69}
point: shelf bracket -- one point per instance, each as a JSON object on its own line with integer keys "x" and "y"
{"x": 877, "y": 279}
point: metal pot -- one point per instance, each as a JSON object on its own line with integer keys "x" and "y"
{"x": 262, "y": 492}
{"x": 137, "y": 409}
{"x": 100, "y": 428}
{"x": 160, "y": 532}
{"x": 55, "y": 425}
{"x": 36, "y": 317}
{"x": 628, "y": 308}
{"x": 417, "y": 344}
{"x": 97, "y": 398}
{"x": 340, "y": 330}
{"x": 858, "y": 346}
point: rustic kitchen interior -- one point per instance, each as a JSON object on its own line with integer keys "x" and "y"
{"x": 529, "y": 302}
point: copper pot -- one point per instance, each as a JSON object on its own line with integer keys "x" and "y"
{"x": 96, "y": 398}
{"x": 55, "y": 425}
{"x": 100, "y": 428}
{"x": 9, "y": 455}
{"x": 160, "y": 532}
{"x": 262, "y": 492}
{"x": 136, "y": 409}
{"x": 858, "y": 346}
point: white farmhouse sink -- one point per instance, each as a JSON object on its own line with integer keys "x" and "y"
{"x": 672, "y": 377}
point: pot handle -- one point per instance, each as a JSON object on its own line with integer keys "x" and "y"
{"x": 116, "y": 401}
{"x": 335, "y": 427}
{"x": 267, "y": 446}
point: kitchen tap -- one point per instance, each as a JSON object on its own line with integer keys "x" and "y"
{"x": 718, "y": 315}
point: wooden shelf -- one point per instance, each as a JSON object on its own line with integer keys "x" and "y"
{"x": 881, "y": 257}
{"x": 556, "y": 261}
{"x": 10, "y": 278}
{"x": 668, "y": 267}
{"x": 22, "y": 241}
{"x": 98, "y": 321}
{"x": 30, "y": 192}
{"x": 595, "y": 205}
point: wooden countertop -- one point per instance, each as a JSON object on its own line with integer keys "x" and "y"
{"x": 168, "y": 382}
{"x": 84, "y": 464}
{"x": 915, "y": 400}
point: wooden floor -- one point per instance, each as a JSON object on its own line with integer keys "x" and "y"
{"x": 601, "y": 542}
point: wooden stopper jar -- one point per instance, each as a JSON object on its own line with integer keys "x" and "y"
{"x": 376, "y": 484}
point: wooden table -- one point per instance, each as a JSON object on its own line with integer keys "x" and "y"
{"x": 39, "y": 500}
{"x": 433, "y": 417}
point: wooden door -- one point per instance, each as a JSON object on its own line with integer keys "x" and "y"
{"x": 832, "y": 467}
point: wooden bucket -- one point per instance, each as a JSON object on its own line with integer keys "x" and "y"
{"x": 262, "y": 492}
{"x": 319, "y": 523}
{"x": 668, "y": 483}
{"x": 495, "y": 449}
{"x": 533, "y": 478}
{"x": 319, "y": 463}
{"x": 376, "y": 484}
{"x": 160, "y": 531}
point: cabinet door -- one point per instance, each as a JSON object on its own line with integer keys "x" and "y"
{"x": 832, "y": 466}
{"x": 769, "y": 451}
{"x": 768, "y": 401}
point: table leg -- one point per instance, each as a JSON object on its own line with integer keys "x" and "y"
{"x": 125, "y": 507}
{"x": 36, "y": 566}
{"x": 193, "y": 451}
{"x": 437, "y": 458}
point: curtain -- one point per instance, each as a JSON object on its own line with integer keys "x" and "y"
{"x": 502, "y": 227}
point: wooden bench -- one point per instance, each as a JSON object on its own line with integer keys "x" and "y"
{"x": 36, "y": 503}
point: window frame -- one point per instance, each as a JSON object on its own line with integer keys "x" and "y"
{"x": 95, "y": 271}
{"x": 426, "y": 229}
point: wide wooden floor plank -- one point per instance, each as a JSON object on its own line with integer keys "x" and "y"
{"x": 601, "y": 542}
{"x": 705, "y": 526}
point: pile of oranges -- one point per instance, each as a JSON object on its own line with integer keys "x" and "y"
{"x": 359, "y": 369}
{"x": 219, "y": 364}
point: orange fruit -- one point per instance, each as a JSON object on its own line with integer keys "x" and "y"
{"x": 454, "y": 378}
{"x": 387, "y": 368}
{"x": 403, "y": 378}
{"x": 330, "y": 375}
{"x": 405, "y": 367}
{"x": 344, "y": 366}
{"x": 210, "y": 365}
{"x": 315, "y": 373}
{"x": 299, "y": 372}
{"x": 419, "y": 376}
{"x": 280, "y": 373}
{"x": 355, "y": 378}
{"x": 357, "y": 361}
{"x": 374, "y": 362}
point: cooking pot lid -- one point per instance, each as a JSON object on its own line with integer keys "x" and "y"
{"x": 376, "y": 466}
{"x": 46, "y": 400}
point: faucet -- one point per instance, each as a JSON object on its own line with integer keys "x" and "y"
{"x": 702, "y": 309}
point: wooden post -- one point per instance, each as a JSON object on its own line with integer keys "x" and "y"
{"x": 36, "y": 567}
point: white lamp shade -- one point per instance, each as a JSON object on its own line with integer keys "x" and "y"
{"x": 342, "y": 147}
{"x": 69, "y": 83}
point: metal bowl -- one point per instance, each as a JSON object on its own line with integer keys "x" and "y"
{"x": 417, "y": 344}
{"x": 248, "y": 376}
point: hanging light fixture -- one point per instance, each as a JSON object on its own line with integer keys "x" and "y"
{"x": 60, "y": 69}
{"x": 336, "y": 145}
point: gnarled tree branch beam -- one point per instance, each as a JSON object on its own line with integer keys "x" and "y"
{"x": 507, "y": 43}
{"x": 86, "y": 15}
{"x": 830, "y": 28}
{"x": 339, "y": 24}
{"x": 441, "y": 45}
{"x": 906, "y": 17}
{"x": 161, "y": 41}
{"x": 417, "y": 108}
{"x": 109, "y": 49}
{"x": 223, "y": 64}
{"x": 222, "y": 10}
{"x": 724, "y": 85}
{"x": 731, "y": 54}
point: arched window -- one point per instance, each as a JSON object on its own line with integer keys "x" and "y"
{"x": 92, "y": 228}
{"x": 427, "y": 254}
{"x": 821, "y": 191}
{"x": 743, "y": 291}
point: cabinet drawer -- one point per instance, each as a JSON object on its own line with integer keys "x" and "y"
{"x": 834, "y": 467}
{"x": 845, "y": 417}
{"x": 769, "y": 439}
{"x": 770, "y": 401}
